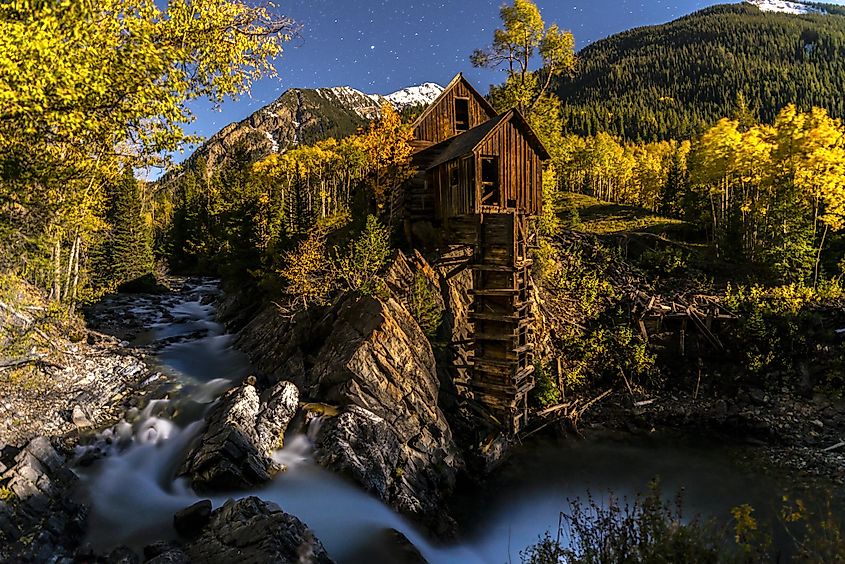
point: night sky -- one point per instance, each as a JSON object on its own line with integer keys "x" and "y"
{"x": 379, "y": 46}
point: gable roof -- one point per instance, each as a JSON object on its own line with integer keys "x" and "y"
{"x": 458, "y": 78}
{"x": 464, "y": 143}
{"x": 468, "y": 141}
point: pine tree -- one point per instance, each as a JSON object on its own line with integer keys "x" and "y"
{"x": 130, "y": 246}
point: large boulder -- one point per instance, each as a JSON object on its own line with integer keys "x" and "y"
{"x": 368, "y": 356}
{"x": 366, "y": 448}
{"x": 39, "y": 521}
{"x": 254, "y": 531}
{"x": 234, "y": 450}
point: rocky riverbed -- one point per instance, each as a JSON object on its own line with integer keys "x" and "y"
{"x": 158, "y": 373}
{"x": 96, "y": 403}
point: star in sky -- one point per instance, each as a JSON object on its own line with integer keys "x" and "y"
{"x": 380, "y": 46}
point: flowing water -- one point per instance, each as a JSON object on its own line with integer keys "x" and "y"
{"x": 134, "y": 495}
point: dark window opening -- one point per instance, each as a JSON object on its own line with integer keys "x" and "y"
{"x": 490, "y": 181}
{"x": 455, "y": 177}
{"x": 461, "y": 115}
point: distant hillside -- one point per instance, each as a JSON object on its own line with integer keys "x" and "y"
{"x": 304, "y": 116}
{"x": 672, "y": 80}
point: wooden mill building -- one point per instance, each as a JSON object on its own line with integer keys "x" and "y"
{"x": 479, "y": 183}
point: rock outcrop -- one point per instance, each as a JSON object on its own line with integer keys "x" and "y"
{"x": 241, "y": 432}
{"x": 254, "y": 531}
{"x": 368, "y": 356}
{"x": 190, "y": 521}
{"x": 39, "y": 522}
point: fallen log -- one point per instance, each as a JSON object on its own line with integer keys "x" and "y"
{"x": 554, "y": 409}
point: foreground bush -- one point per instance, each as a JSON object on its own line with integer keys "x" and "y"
{"x": 647, "y": 530}
{"x": 650, "y": 530}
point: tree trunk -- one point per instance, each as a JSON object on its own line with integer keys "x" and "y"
{"x": 57, "y": 271}
{"x": 819, "y": 257}
{"x": 75, "y": 286}
{"x": 70, "y": 260}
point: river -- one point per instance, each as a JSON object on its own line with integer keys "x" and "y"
{"x": 134, "y": 495}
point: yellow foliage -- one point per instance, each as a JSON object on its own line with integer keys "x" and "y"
{"x": 745, "y": 525}
{"x": 309, "y": 279}
{"x": 92, "y": 87}
{"x": 387, "y": 144}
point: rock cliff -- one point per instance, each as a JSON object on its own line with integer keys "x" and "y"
{"x": 368, "y": 356}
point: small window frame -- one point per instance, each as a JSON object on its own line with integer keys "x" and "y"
{"x": 462, "y": 114}
{"x": 491, "y": 190}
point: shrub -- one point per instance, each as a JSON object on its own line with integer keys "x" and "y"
{"x": 307, "y": 271}
{"x": 782, "y": 327}
{"x": 7, "y": 495}
{"x": 647, "y": 530}
{"x": 651, "y": 530}
{"x": 365, "y": 258}
{"x": 666, "y": 261}
{"x": 424, "y": 305}
{"x": 546, "y": 392}
{"x": 822, "y": 539}
{"x": 608, "y": 353}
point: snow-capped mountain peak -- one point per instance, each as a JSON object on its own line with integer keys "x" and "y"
{"x": 306, "y": 115}
{"x": 422, "y": 94}
{"x": 367, "y": 105}
{"x": 785, "y": 7}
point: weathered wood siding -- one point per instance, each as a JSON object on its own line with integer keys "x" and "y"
{"x": 520, "y": 170}
{"x": 439, "y": 124}
{"x": 449, "y": 200}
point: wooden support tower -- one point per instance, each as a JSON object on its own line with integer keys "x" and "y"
{"x": 479, "y": 184}
{"x": 503, "y": 364}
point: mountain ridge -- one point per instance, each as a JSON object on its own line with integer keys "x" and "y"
{"x": 303, "y": 116}
{"x": 786, "y": 7}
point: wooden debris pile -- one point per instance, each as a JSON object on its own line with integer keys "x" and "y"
{"x": 698, "y": 314}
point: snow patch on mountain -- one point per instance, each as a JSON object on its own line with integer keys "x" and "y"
{"x": 785, "y": 7}
{"x": 365, "y": 105}
{"x": 368, "y": 105}
{"x": 423, "y": 94}
{"x": 273, "y": 141}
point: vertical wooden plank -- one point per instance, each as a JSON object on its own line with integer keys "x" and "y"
{"x": 477, "y": 207}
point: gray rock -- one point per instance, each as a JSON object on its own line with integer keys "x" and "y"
{"x": 241, "y": 433}
{"x": 122, "y": 555}
{"x": 41, "y": 523}
{"x": 172, "y": 556}
{"x": 79, "y": 418}
{"x": 254, "y": 531}
{"x": 163, "y": 552}
{"x": 190, "y": 521}
{"x": 226, "y": 455}
{"x": 276, "y": 412}
{"x": 386, "y": 545}
{"x": 365, "y": 448}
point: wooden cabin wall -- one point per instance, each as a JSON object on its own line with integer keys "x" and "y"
{"x": 450, "y": 201}
{"x": 439, "y": 125}
{"x": 520, "y": 169}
